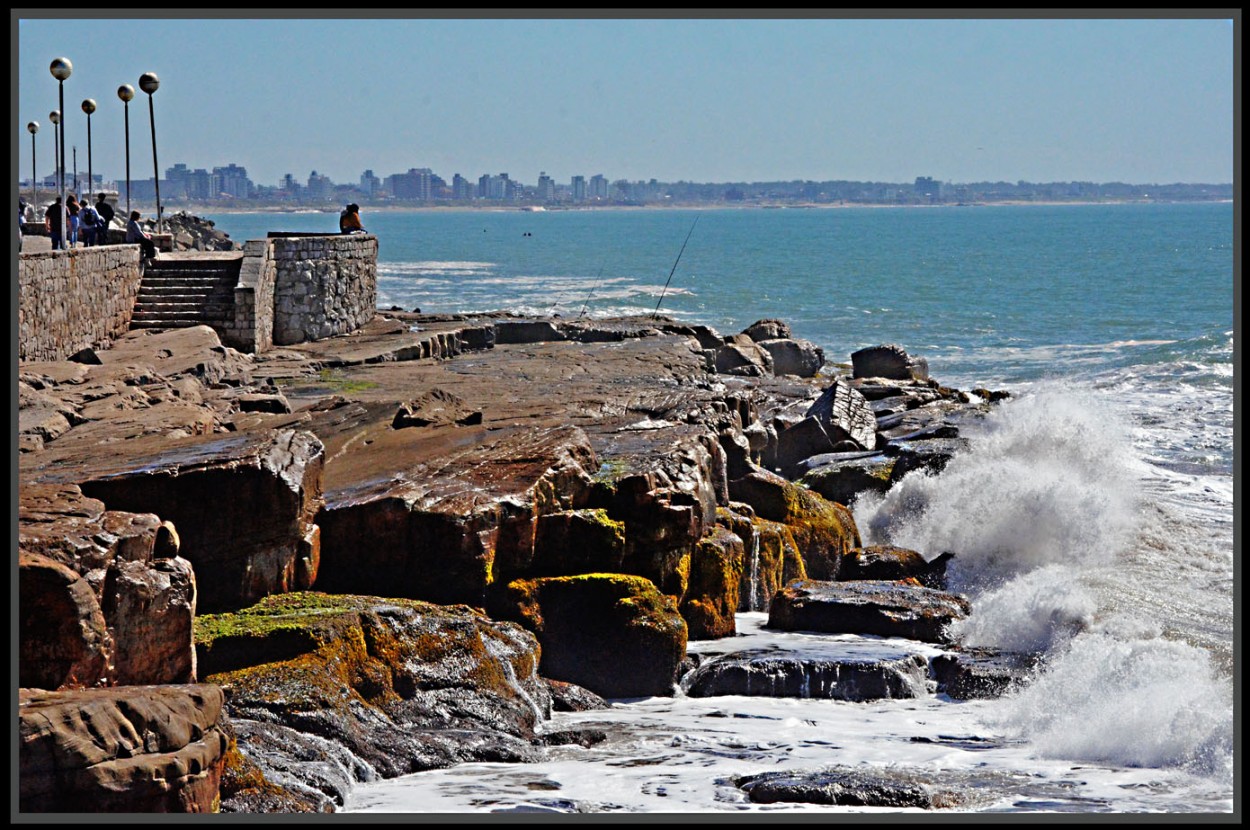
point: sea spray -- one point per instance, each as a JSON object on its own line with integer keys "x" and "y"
{"x": 1135, "y": 702}
{"x": 1048, "y": 480}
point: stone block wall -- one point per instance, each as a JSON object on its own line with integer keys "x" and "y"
{"x": 323, "y": 285}
{"x": 252, "y": 327}
{"x": 71, "y": 300}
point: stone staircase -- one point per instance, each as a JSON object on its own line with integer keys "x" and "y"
{"x": 185, "y": 289}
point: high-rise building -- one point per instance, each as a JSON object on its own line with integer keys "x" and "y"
{"x": 598, "y": 186}
{"x": 546, "y": 188}
{"x": 579, "y": 188}
{"x": 370, "y": 184}
{"x": 461, "y": 188}
{"x": 234, "y": 181}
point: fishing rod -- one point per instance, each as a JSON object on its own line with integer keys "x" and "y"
{"x": 656, "y": 314}
{"x": 593, "y": 289}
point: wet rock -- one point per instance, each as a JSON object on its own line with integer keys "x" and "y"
{"x": 576, "y": 542}
{"x": 615, "y": 635}
{"x": 883, "y": 608}
{"x": 973, "y": 673}
{"x": 130, "y": 749}
{"x": 889, "y": 562}
{"x": 928, "y": 454}
{"x": 569, "y": 697}
{"x": 823, "y": 530}
{"x": 771, "y": 557}
{"x": 843, "y": 480}
{"x": 840, "y": 671}
{"x": 846, "y": 787}
{"x": 889, "y": 361}
{"x": 436, "y": 408}
{"x": 386, "y": 687}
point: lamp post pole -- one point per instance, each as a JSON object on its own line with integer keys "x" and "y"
{"x": 88, "y": 106}
{"x": 33, "y": 127}
{"x": 55, "y": 118}
{"x": 75, "y": 190}
{"x": 149, "y": 83}
{"x": 126, "y": 92}
{"x": 61, "y": 69}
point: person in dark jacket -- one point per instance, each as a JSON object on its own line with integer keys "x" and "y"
{"x": 106, "y": 212}
{"x": 52, "y": 221}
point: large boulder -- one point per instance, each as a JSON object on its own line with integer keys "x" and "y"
{"x": 880, "y": 607}
{"x": 845, "y": 416}
{"x": 244, "y": 507}
{"x": 614, "y": 634}
{"x": 386, "y": 686}
{"x": 843, "y": 480}
{"x": 128, "y": 749}
{"x": 890, "y": 562}
{"x": 740, "y": 355}
{"x": 768, "y": 329}
{"x": 888, "y": 361}
{"x": 975, "y": 673}
{"x": 794, "y": 357}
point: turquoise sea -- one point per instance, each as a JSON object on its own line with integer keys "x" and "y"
{"x": 1092, "y": 518}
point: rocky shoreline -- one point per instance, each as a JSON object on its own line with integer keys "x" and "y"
{"x": 403, "y": 548}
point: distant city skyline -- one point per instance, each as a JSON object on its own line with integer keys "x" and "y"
{"x": 1139, "y": 101}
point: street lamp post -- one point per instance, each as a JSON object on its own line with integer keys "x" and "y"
{"x": 149, "y": 83}
{"x": 57, "y": 166}
{"x": 88, "y": 106}
{"x": 33, "y": 127}
{"x": 126, "y": 92}
{"x": 75, "y": 190}
{"x": 61, "y": 69}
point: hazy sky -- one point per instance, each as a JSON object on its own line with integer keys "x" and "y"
{"x": 1141, "y": 101}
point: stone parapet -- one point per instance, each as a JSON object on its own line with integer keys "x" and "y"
{"x": 75, "y": 299}
{"x": 323, "y": 285}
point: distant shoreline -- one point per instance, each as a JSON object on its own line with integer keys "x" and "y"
{"x": 366, "y": 209}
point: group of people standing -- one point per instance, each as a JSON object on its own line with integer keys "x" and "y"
{"x": 86, "y": 223}
{"x": 89, "y": 224}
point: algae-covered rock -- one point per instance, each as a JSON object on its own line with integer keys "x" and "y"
{"x": 615, "y": 634}
{"x": 400, "y": 685}
{"x": 711, "y": 598}
{"x": 770, "y": 558}
{"x": 577, "y": 541}
{"x": 824, "y": 531}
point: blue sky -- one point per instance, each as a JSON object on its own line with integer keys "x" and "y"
{"x": 715, "y": 100}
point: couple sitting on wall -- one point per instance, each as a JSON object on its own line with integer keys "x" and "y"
{"x": 349, "y": 220}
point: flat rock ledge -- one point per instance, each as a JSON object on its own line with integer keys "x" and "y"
{"x": 885, "y": 608}
{"x": 841, "y": 671}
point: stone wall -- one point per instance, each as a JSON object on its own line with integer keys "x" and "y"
{"x": 70, "y": 300}
{"x": 252, "y": 329}
{"x": 323, "y": 286}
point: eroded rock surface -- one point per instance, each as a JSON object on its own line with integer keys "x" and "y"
{"x": 881, "y": 607}
{"x": 131, "y": 749}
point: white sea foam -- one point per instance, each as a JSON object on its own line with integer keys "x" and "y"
{"x": 1136, "y": 702}
{"x": 1048, "y": 480}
